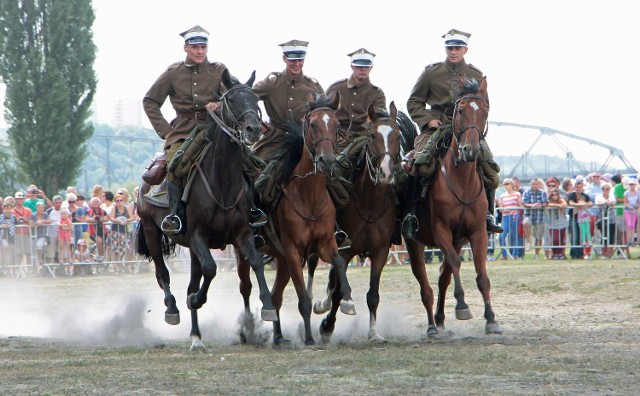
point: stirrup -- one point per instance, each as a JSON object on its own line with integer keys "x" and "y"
{"x": 342, "y": 239}
{"x": 169, "y": 225}
{"x": 410, "y": 226}
{"x": 257, "y": 218}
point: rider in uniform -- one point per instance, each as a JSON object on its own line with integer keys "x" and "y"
{"x": 356, "y": 94}
{"x": 193, "y": 86}
{"x": 285, "y": 95}
{"x": 438, "y": 86}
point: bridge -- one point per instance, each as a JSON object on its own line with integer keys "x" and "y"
{"x": 574, "y": 154}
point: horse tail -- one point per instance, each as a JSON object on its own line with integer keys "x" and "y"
{"x": 167, "y": 245}
{"x": 408, "y": 132}
{"x": 141, "y": 242}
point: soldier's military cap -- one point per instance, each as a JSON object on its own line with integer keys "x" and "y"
{"x": 362, "y": 58}
{"x": 294, "y": 49}
{"x": 456, "y": 38}
{"x": 195, "y": 35}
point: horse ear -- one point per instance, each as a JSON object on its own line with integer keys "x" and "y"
{"x": 227, "y": 79}
{"x": 483, "y": 87}
{"x": 393, "y": 110}
{"x": 371, "y": 112}
{"x": 334, "y": 101}
{"x": 252, "y": 79}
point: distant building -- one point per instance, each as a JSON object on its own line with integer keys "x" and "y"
{"x": 128, "y": 112}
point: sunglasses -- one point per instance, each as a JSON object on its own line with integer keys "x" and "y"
{"x": 551, "y": 185}
{"x": 119, "y": 200}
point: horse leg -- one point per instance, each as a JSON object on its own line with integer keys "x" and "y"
{"x": 378, "y": 261}
{"x": 246, "y": 325}
{"x": 331, "y": 302}
{"x": 277, "y": 291}
{"x": 415, "y": 250}
{"x": 148, "y": 231}
{"x": 453, "y": 262}
{"x": 484, "y": 285}
{"x": 304, "y": 302}
{"x": 347, "y": 306}
{"x": 320, "y": 307}
{"x": 246, "y": 249}
{"x": 202, "y": 267}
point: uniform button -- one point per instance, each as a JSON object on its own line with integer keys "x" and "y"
{"x": 195, "y": 83}
{"x": 290, "y": 98}
{"x": 195, "y": 94}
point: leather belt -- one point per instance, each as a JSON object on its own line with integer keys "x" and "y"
{"x": 196, "y": 115}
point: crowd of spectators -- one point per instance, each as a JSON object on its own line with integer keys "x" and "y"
{"x": 77, "y": 234}
{"x": 590, "y": 216}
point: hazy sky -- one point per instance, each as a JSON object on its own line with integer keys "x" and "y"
{"x": 558, "y": 64}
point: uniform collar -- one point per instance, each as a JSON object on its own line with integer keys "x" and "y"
{"x": 455, "y": 67}
{"x": 351, "y": 83}
{"x": 290, "y": 79}
{"x": 189, "y": 63}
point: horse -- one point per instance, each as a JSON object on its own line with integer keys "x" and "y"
{"x": 217, "y": 209}
{"x": 369, "y": 217}
{"x": 303, "y": 221}
{"x": 454, "y": 212}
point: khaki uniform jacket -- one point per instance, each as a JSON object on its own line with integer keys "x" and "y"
{"x": 189, "y": 87}
{"x": 284, "y": 99}
{"x": 354, "y": 102}
{"x": 437, "y": 86}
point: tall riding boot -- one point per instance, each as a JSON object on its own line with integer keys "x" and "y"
{"x": 396, "y": 236}
{"x": 175, "y": 222}
{"x": 257, "y": 218}
{"x": 492, "y": 227}
{"x": 410, "y": 223}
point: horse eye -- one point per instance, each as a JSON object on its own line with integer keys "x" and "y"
{"x": 372, "y": 135}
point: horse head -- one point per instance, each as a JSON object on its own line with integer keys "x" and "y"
{"x": 470, "y": 118}
{"x": 240, "y": 109}
{"x": 320, "y": 129}
{"x": 383, "y": 147}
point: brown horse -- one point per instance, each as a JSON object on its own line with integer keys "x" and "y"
{"x": 369, "y": 217}
{"x": 303, "y": 221}
{"x": 454, "y": 212}
{"x": 217, "y": 210}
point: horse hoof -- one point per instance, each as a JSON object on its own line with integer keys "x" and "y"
{"x": 492, "y": 328}
{"x": 432, "y": 331}
{"x": 463, "y": 314}
{"x": 282, "y": 343}
{"x": 269, "y": 315}
{"x": 197, "y": 345}
{"x": 172, "y": 319}
{"x": 320, "y": 307}
{"x": 376, "y": 339}
{"x": 348, "y": 307}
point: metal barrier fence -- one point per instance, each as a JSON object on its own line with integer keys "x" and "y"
{"x": 43, "y": 250}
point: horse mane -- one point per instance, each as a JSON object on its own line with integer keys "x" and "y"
{"x": 320, "y": 100}
{"x": 294, "y": 142}
{"x": 408, "y": 131}
{"x": 469, "y": 86}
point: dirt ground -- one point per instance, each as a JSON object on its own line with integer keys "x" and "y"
{"x": 570, "y": 327}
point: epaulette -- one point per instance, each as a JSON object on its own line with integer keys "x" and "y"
{"x": 313, "y": 80}
{"x": 475, "y": 68}
{"x": 338, "y": 82}
{"x": 174, "y": 65}
{"x": 432, "y": 65}
{"x": 273, "y": 75}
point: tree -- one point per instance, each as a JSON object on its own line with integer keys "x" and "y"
{"x": 46, "y": 62}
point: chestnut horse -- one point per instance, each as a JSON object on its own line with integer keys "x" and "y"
{"x": 303, "y": 221}
{"x": 454, "y": 212}
{"x": 217, "y": 209}
{"x": 369, "y": 217}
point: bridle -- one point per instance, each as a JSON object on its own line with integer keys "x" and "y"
{"x": 373, "y": 169}
{"x": 312, "y": 150}
{"x": 458, "y": 132}
{"x": 233, "y": 120}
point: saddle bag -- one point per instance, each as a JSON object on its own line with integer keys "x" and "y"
{"x": 156, "y": 171}
{"x": 189, "y": 151}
